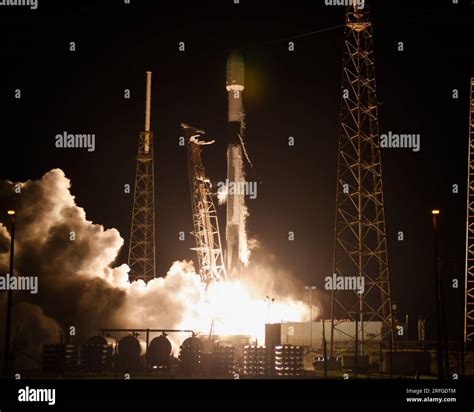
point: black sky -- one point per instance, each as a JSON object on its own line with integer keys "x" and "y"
{"x": 287, "y": 94}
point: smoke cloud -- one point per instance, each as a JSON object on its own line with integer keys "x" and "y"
{"x": 80, "y": 287}
{"x": 72, "y": 258}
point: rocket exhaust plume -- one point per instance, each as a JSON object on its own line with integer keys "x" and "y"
{"x": 237, "y": 251}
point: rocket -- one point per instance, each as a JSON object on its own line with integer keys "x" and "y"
{"x": 235, "y": 86}
{"x": 236, "y": 235}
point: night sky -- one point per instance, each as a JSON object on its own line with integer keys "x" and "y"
{"x": 287, "y": 94}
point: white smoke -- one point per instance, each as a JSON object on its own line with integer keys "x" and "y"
{"x": 80, "y": 286}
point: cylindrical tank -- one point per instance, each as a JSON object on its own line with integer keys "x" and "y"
{"x": 129, "y": 351}
{"x": 190, "y": 356}
{"x": 96, "y": 354}
{"x": 159, "y": 353}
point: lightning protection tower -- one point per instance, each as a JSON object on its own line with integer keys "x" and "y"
{"x": 141, "y": 252}
{"x": 360, "y": 246}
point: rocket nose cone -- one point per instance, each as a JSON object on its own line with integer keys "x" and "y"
{"x": 235, "y": 58}
{"x": 235, "y": 70}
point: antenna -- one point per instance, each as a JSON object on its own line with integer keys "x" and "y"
{"x": 148, "y": 101}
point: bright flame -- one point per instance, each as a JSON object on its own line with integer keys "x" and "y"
{"x": 237, "y": 311}
{"x": 233, "y": 307}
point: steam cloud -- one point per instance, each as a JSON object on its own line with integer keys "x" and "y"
{"x": 78, "y": 285}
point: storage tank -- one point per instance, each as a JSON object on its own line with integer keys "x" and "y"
{"x": 129, "y": 351}
{"x": 159, "y": 353}
{"x": 190, "y": 356}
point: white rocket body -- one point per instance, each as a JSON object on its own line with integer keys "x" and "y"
{"x": 235, "y": 85}
{"x": 236, "y": 236}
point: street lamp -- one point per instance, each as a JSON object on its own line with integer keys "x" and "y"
{"x": 270, "y": 301}
{"x": 439, "y": 352}
{"x": 6, "y": 355}
{"x": 310, "y": 288}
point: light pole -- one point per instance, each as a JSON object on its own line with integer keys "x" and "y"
{"x": 6, "y": 356}
{"x": 310, "y": 288}
{"x": 270, "y": 301}
{"x": 439, "y": 351}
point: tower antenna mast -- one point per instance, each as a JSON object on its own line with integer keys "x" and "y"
{"x": 141, "y": 251}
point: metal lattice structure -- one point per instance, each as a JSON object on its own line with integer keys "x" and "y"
{"x": 206, "y": 224}
{"x": 141, "y": 252}
{"x": 360, "y": 246}
{"x": 469, "y": 269}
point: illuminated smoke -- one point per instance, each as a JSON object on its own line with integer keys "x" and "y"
{"x": 79, "y": 285}
{"x": 75, "y": 277}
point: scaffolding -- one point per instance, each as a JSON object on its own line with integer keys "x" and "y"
{"x": 206, "y": 224}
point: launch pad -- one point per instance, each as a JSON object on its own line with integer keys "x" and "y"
{"x": 209, "y": 284}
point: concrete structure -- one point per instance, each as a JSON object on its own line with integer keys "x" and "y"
{"x": 299, "y": 333}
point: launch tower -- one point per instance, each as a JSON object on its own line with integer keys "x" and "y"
{"x": 206, "y": 224}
